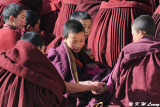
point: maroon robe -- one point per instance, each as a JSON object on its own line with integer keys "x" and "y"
{"x": 28, "y": 79}
{"x": 111, "y": 29}
{"x": 89, "y": 6}
{"x": 68, "y": 7}
{"x": 156, "y": 18}
{"x": 155, "y": 4}
{"x": 136, "y": 74}
{"x": 63, "y": 59}
{"x": 8, "y": 37}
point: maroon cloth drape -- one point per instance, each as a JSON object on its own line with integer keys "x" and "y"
{"x": 155, "y": 4}
{"x": 68, "y": 7}
{"x": 8, "y": 37}
{"x": 111, "y": 29}
{"x": 89, "y": 6}
{"x": 156, "y": 18}
{"x": 136, "y": 74}
{"x": 28, "y": 78}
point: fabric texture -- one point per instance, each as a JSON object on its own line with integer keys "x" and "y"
{"x": 111, "y": 29}
{"x": 8, "y": 37}
{"x": 28, "y": 79}
{"x": 136, "y": 74}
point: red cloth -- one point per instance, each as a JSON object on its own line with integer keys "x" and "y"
{"x": 89, "y": 6}
{"x": 68, "y": 7}
{"x": 28, "y": 79}
{"x": 8, "y": 37}
{"x": 156, "y": 17}
{"x": 155, "y": 4}
{"x": 136, "y": 74}
{"x": 55, "y": 43}
{"x": 111, "y": 29}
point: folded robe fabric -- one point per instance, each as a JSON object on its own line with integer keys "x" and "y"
{"x": 28, "y": 79}
{"x": 136, "y": 74}
{"x": 68, "y": 7}
{"x": 111, "y": 29}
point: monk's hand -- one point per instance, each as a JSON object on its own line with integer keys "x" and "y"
{"x": 98, "y": 92}
{"x": 97, "y": 85}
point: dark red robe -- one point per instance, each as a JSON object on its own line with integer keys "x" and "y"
{"x": 155, "y": 4}
{"x": 89, "y": 6}
{"x": 28, "y": 79}
{"x": 68, "y": 7}
{"x": 8, "y": 37}
{"x": 156, "y": 18}
{"x": 63, "y": 59}
{"x": 136, "y": 74}
{"x": 111, "y": 29}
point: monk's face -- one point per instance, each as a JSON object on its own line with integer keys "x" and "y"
{"x": 20, "y": 20}
{"x": 136, "y": 34}
{"x": 87, "y": 23}
{"x": 75, "y": 41}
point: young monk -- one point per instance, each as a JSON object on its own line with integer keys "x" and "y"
{"x": 73, "y": 64}
{"x": 14, "y": 17}
{"x": 28, "y": 78}
{"x": 135, "y": 78}
{"x": 85, "y": 19}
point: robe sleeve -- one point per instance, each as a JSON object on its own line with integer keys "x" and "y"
{"x": 56, "y": 60}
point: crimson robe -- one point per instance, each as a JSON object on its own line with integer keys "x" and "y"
{"x": 136, "y": 74}
{"x": 155, "y": 4}
{"x": 111, "y": 29}
{"x": 68, "y": 7}
{"x": 63, "y": 59}
{"x": 156, "y": 18}
{"x": 8, "y": 37}
{"x": 28, "y": 79}
{"x": 89, "y": 6}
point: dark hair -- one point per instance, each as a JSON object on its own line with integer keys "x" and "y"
{"x": 144, "y": 23}
{"x": 80, "y": 15}
{"x": 31, "y": 18}
{"x": 11, "y": 9}
{"x": 33, "y": 38}
{"x": 72, "y": 26}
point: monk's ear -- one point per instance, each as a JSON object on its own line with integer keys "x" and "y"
{"x": 142, "y": 33}
{"x": 29, "y": 27}
{"x": 11, "y": 18}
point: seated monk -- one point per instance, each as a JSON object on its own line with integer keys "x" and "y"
{"x": 135, "y": 77}
{"x": 28, "y": 78}
{"x": 73, "y": 64}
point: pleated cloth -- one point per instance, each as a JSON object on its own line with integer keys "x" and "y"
{"x": 111, "y": 29}
{"x": 68, "y": 7}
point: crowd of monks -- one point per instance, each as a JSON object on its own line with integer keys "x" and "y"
{"x": 111, "y": 31}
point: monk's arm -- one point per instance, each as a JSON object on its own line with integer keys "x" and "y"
{"x": 74, "y": 87}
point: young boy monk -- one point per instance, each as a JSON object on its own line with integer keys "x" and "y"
{"x": 135, "y": 78}
{"x": 28, "y": 78}
{"x": 73, "y": 64}
{"x": 86, "y": 21}
{"x": 14, "y": 17}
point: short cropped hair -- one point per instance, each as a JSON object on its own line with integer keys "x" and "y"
{"x": 11, "y": 9}
{"x": 72, "y": 26}
{"x": 80, "y": 15}
{"x": 144, "y": 23}
{"x": 31, "y": 18}
{"x": 33, "y": 38}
